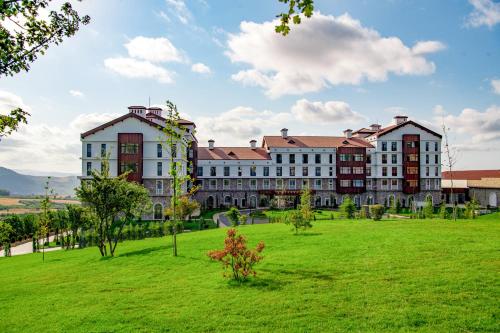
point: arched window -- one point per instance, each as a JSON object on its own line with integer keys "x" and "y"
{"x": 158, "y": 211}
{"x": 227, "y": 200}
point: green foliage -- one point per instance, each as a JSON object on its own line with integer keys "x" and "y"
{"x": 348, "y": 208}
{"x": 301, "y": 217}
{"x": 4, "y": 193}
{"x": 6, "y": 232}
{"x": 428, "y": 211}
{"x": 112, "y": 201}
{"x": 295, "y": 9}
{"x": 443, "y": 212}
{"x": 376, "y": 212}
{"x": 233, "y": 214}
{"x": 470, "y": 209}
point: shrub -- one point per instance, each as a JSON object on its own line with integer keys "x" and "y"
{"x": 348, "y": 208}
{"x": 234, "y": 215}
{"x": 428, "y": 210}
{"x": 376, "y": 212}
{"x": 237, "y": 256}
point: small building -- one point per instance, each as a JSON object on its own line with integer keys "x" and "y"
{"x": 484, "y": 185}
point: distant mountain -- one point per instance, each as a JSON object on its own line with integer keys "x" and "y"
{"x": 19, "y": 184}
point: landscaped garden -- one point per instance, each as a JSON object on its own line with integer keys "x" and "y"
{"x": 389, "y": 275}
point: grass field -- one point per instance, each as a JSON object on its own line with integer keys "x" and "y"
{"x": 391, "y": 276}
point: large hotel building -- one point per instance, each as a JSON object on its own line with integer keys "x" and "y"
{"x": 401, "y": 161}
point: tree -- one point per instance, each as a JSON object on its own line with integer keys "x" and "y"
{"x": 45, "y": 218}
{"x": 295, "y": 8}
{"x": 348, "y": 208}
{"x": 185, "y": 208}
{"x": 77, "y": 219}
{"x": 233, "y": 214}
{"x": 428, "y": 208}
{"x": 177, "y": 139}
{"x": 301, "y": 217}
{"x": 24, "y": 35}
{"x": 113, "y": 201}
{"x": 6, "y": 232}
{"x": 470, "y": 208}
{"x": 443, "y": 212}
{"x": 237, "y": 256}
{"x": 449, "y": 162}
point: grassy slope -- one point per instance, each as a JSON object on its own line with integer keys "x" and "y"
{"x": 340, "y": 276}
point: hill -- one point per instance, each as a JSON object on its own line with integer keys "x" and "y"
{"x": 390, "y": 276}
{"x": 19, "y": 184}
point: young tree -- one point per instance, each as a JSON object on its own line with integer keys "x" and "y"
{"x": 348, "y": 208}
{"x": 237, "y": 256}
{"x": 471, "y": 208}
{"x": 449, "y": 162}
{"x": 295, "y": 8}
{"x": 443, "y": 213}
{"x": 45, "y": 218}
{"x": 185, "y": 208}
{"x": 305, "y": 206}
{"x": 176, "y": 139}
{"x": 113, "y": 201}
{"x": 6, "y": 232}
{"x": 428, "y": 208}
{"x": 25, "y": 34}
{"x": 77, "y": 219}
{"x": 233, "y": 214}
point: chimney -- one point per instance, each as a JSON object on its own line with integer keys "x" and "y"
{"x": 375, "y": 127}
{"x": 284, "y": 133}
{"x": 155, "y": 110}
{"x": 253, "y": 144}
{"x": 138, "y": 110}
{"x": 348, "y": 133}
{"x": 400, "y": 119}
{"x": 211, "y": 144}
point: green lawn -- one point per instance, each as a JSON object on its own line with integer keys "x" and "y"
{"x": 426, "y": 276}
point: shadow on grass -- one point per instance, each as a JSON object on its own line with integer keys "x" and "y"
{"x": 304, "y": 234}
{"x": 302, "y": 274}
{"x": 260, "y": 283}
{"x": 143, "y": 251}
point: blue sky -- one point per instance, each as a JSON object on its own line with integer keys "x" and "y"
{"x": 352, "y": 64}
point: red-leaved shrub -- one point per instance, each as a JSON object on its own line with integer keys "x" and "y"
{"x": 237, "y": 256}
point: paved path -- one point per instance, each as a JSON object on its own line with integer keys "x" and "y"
{"x": 27, "y": 248}
{"x": 224, "y": 221}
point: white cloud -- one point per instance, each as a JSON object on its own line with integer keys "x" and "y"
{"x": 10, "y": 101}
{"x": 396, "y": 110}
{"x": 495, "y": 84}
{"x": 328, "y": 112}
{"x": 322, "y": 51}
{"x": 76, "y": 93}
{"x": 439, "y": 110}
{"x": 486, "y": 12}
{"x": 133, "y": 68}
{"x": 153, "y": 49}
{"x": 200, "y": 68}
{"x": 180, "y": 10}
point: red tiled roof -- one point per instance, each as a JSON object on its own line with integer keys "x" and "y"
{"x": 364, "y": 130}
{"x": 313, "y": 142}
{"x": 471, "y": 174}
{"x": 391, "y": 128}
{"x": 232, "y": 153}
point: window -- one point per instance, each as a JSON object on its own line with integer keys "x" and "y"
{"x": 344, "y": 157}
{"x": 317, "y": 171}
{"x": 158, "y": 212}
{"x": 330, "y": 171}
{"x": 384, "y": 146}
{"x": 239, "y": 184}
{"x": 330, "y": 184}
{"x": 212, "y": 184}
{"x": 411, "y": 144}
{"x": 345, "y": 183}
{"x": 279, "y": 184}
{"x": 412, "y": 171}
{"x": 128, "y": 166}
{"x": 436, "y": 146}
{"x": 394, "y": 159}
{"x": 159, "y": 150}
{"x": 317, "y": 158}
{"x": 253, "y": 184}
{"x": 103, "y": 149}
{"x": 384, "y": 171}
{"x": 159, "y": 187}
{"x": 266, "y": 171}
{"x": 305, "y": 158}
{"x": 436, "y": 171}
{"x": 174, "y": 150}
{"x": 358, "y": 170}
{"x": 368, "y": 171}
{"x": 369, "y": 184}
{"x": 89, "y": 168}
{"x": 436, "y": 159}
{"x": 292, "y": 171}
{"x": 89, "y": 150}
{"x": 427, "y": 146}
{"x": 305, "y": 171}
{"x": 427, "y": 159}
{"x": 305, "y": 183}
{"x": 412, "y": 183}
{"x": 199, "y": 171}
{"x": 330, "y": 158}
{"x": 394, "y": 171}
{"x": 292, "y": 158}
{"x": 159, "y": 168}
{"x": 266, "y": 184}
{"x": 213, "y": 171}
{"x": 427, "y": 172}
{"x": 317, "y": 184}
{"x": 427, "y": 184}
{"x": 225, "y": 184}
{"x": 412, "y": 158}
{"x": 240, "y": 172}
{"x": 385, "y": 184}
{"x": 384, "y": 158}
{"x": 253, "y": 171}
{"x": 226, "y": 171}
{"x": 279, "y": 171}
{"x": 437, "y": 184}
{"x": 345, "y": 170}
{"x": 291, "y": 184}
{"x": 394, "y": 184}
{"x": 129, "y": 148}
{"x": 358, "y": 183}
{"x": 368, "y": 158}
{"x": 358, "y": 157}
{"x": 394, "y": 146}
{"x": 279, "y": 158}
